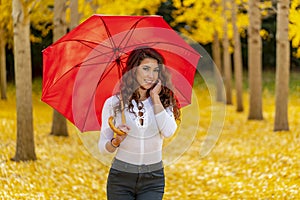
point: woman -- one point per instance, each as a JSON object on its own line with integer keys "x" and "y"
{"x": 151, "y": 112}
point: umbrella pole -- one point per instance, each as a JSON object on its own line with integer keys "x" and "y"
{"x": 122, "y": 109}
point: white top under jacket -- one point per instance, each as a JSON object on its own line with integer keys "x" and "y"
{"x": 143, "y": 144}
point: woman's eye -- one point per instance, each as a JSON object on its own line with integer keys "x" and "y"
{"x": 146, "y": 68}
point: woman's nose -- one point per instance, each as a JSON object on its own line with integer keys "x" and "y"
{"x": 151, "y": 74}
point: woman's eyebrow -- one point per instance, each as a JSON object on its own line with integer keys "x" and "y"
{"x": 145, "y": 66}
{"x": 149, "y": 66}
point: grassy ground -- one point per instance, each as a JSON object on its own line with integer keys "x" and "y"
{"x": 249, "y": 160}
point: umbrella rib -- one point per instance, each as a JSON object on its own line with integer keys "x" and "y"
{"x": 107, "y": 72}
{"x": 62, "y": 76}
{"x": 108, "y": 33}
{"x": 99, "y": 44}
{"x": 86, "y": 42}
{"x": 132, "y": 28}
{"x": 91, "y": 47}
{"x": 95, "y": 49}
{"x": 179, "y": 91}
{"x": 94, "y": 57}
{"x": 77, "y": 40}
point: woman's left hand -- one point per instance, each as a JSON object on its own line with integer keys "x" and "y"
{"x": 156, "y": 89}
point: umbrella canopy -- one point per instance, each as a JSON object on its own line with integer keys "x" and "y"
{"x": 82, "y": 69}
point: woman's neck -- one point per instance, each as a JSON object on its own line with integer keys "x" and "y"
{"x": 143, "y": 94}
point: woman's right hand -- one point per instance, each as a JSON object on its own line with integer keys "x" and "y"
{"x": 119, "y": 138}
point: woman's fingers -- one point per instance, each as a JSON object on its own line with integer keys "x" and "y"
{"x": 157, "y": 88}
{"x": 124, "y": 128}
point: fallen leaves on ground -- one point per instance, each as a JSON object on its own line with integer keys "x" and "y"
{"x": 249, "y": 161}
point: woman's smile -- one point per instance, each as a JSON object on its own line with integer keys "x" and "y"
{"x": 147, "y": 73}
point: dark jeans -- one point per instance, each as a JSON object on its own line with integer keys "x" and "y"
{"x": 135, "y": 186}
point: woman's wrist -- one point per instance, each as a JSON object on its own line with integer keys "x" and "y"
{"x": 113, "y": 144}
{"x": 155, "y": 99}
{"x": 157, "y": 105}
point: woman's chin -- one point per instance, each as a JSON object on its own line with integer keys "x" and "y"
{"x": 146, "y": 86}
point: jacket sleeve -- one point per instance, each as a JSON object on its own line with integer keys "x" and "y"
{"x": 166, "y": 122}
{"x": 106, "y": 134}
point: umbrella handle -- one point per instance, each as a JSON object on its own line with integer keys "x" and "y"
{"x": 112, "y": 126}
{"x": 111, "y": 119}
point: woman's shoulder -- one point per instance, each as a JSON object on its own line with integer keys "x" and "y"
{"x": 113, "y": 100}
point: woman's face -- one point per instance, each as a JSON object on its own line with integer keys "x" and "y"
{"x": 147, "y": 72}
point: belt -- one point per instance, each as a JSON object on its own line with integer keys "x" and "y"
{"x": 131, "y": 168}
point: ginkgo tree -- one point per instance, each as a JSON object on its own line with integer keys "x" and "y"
{"x": 22, "y": 56}
{"x": 22, "y": 16}
{"x": 282, "y": 67}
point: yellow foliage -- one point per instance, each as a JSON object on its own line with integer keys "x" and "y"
{"x": 85, "y": 9}
{"x": 41, "y": 16}
{"x": 177, "y": 3}
{"x": 294, "y": 26}
{"x": 68, "y": 13}
{"x": 117, "y": 7}
{"x": 6, "y": 19}
{"x": 133, "y": 7}
{"x": 35, "y": 39}
{"x": 265, "y": 6}
{"x": 242, "y": 21}
{"x": 264, "y": 34}
{"x": 203, "y": 18}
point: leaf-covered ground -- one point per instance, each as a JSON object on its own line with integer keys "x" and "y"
{"x": 249, "y": 161}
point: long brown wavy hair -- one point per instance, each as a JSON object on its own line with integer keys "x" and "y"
{"x": 129, "y": 85}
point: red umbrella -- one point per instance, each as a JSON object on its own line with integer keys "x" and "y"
{"x": 82, "y": 69}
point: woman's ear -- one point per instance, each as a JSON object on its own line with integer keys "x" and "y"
{"x": 133, "y": 71}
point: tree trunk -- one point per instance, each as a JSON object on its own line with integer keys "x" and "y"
{"x": 238, "y": 66}
{"x": 25, "y": 138}
{"x": 59, "y": 124}
{"x": 282, "y": 67}
{"x": 216, "y": 50}
{"x": 255, "y": 61}
{"x": 74, "y": 14}
{"x": 3, "y": 82}
{"x": 226, "y": 57}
